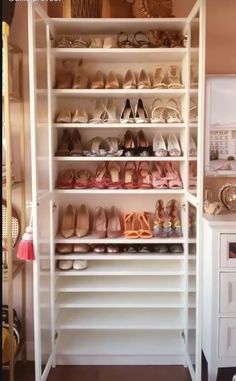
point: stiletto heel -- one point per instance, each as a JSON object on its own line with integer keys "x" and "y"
{"x": 99, "y": 112}
{"x": 193, "y": 111}
{"x": 101, "y": 179}
{"x": 173, "y": 211}
{"x": 129, "y": 148}
{"x": 144, "y": 80}
{"x": 144, "y": 175}
{"x": 98, "y": 81}
{"x": 64, "y": 145}
{"x": 173, "y": 146}
{"x": 127, "y": 114}
{"x": 99, "y": 223}
{"x": 192, "y": 147}
{"x": 129, "y": 81}
{"x": 68, "y": 222}
{"x": 143, "y": 148}
{"x": 159, "y": 145}
{"x": 112, "y": 81}
{"x": 110, "y": 112}
{"x": 172, "y": 175}
{"x": 145, "y": 226}
{"x": 140, "y": 113}
{"x": 114, "y": 226}
{"x": 82, "y": 222}
{"x": 158, "y": 178}
{"x": 76, "y": 146}
{"x": 131, "y": 225}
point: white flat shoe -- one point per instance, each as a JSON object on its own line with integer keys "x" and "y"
{"x": 158, "y": 111}
{"x": 80, "y": 264}
{"x": 80, "y": 116}
{"x": 65, "y": 265}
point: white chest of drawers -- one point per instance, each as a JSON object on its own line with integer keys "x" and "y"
{"x": 219, "y": 292}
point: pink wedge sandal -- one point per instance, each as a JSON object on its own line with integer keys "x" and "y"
{"x": 172, "y": 175}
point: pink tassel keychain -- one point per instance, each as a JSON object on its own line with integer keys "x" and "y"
{"x": 25, "y": 249}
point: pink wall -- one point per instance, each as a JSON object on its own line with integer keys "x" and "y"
{"x": 220, "y": 58}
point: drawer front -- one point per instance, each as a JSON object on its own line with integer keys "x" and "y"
{"x": 228, "y": 250}
{"x": 228, "y": 292}
{"x": 227, "y": 337}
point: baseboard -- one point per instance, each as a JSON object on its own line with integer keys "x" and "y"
{"x": 120, "y": 360}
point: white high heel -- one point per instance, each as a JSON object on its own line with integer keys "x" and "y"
{"x": 140, "y": 113}
{"x": 173, "y": 146}
{"x": 129, "y": 81}
{"x": 158, "y": 110}
{"x": 159, "y": 145}
{"x": 127, "y": 114}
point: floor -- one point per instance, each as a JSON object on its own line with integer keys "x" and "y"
{"x": 25, "y": 371}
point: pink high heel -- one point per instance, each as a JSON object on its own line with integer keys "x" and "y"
{"x": 172, "y": 175}
{"x": 158, "y": 178}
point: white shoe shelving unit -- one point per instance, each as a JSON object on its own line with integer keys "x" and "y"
{"x": 124, "y": 308}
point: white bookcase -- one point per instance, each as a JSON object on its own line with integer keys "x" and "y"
{"x": 123, "y": 309}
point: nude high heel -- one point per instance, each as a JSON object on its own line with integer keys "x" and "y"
{"x": 129, "y": 81}
{"x": 68, "y": 222}
{"x": 144, "y": 80}
{"x": 82, "y": 223}
{"x": 114, "y": 225}
{"x": 99, "y": 223}
{"x": 98, "y": 81}
{"x": 112, "y": 81}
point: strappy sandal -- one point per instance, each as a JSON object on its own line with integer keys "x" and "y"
{"x": 113, "y": 144}
{"x": 145, "y": 226}
{"x": 144, "y": 175}
{"x": 114, "y": 172}
{"x": 158, "y": 110}
{"x": 141, "y": 40}
{"x": 158, "y": 78}
{"x": 65, "y": 179}
{"x": 98, "y": 147}
{"x": 173, "y": 211}
{"x": 172, "y": 175}
{"x": 82, "y": 179}
{"x": 64, "y": 42}
{"x": 174, "y": 77}
{"x": 124, "y": 41}
{"x": 101, "y": 180}
{"x": 172, "y": 112}
{"x": 162, "y": 222}
{"x": 131, "y": 225}
{"x": 158, "y": 178}
{"x": 130, "y": 180}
